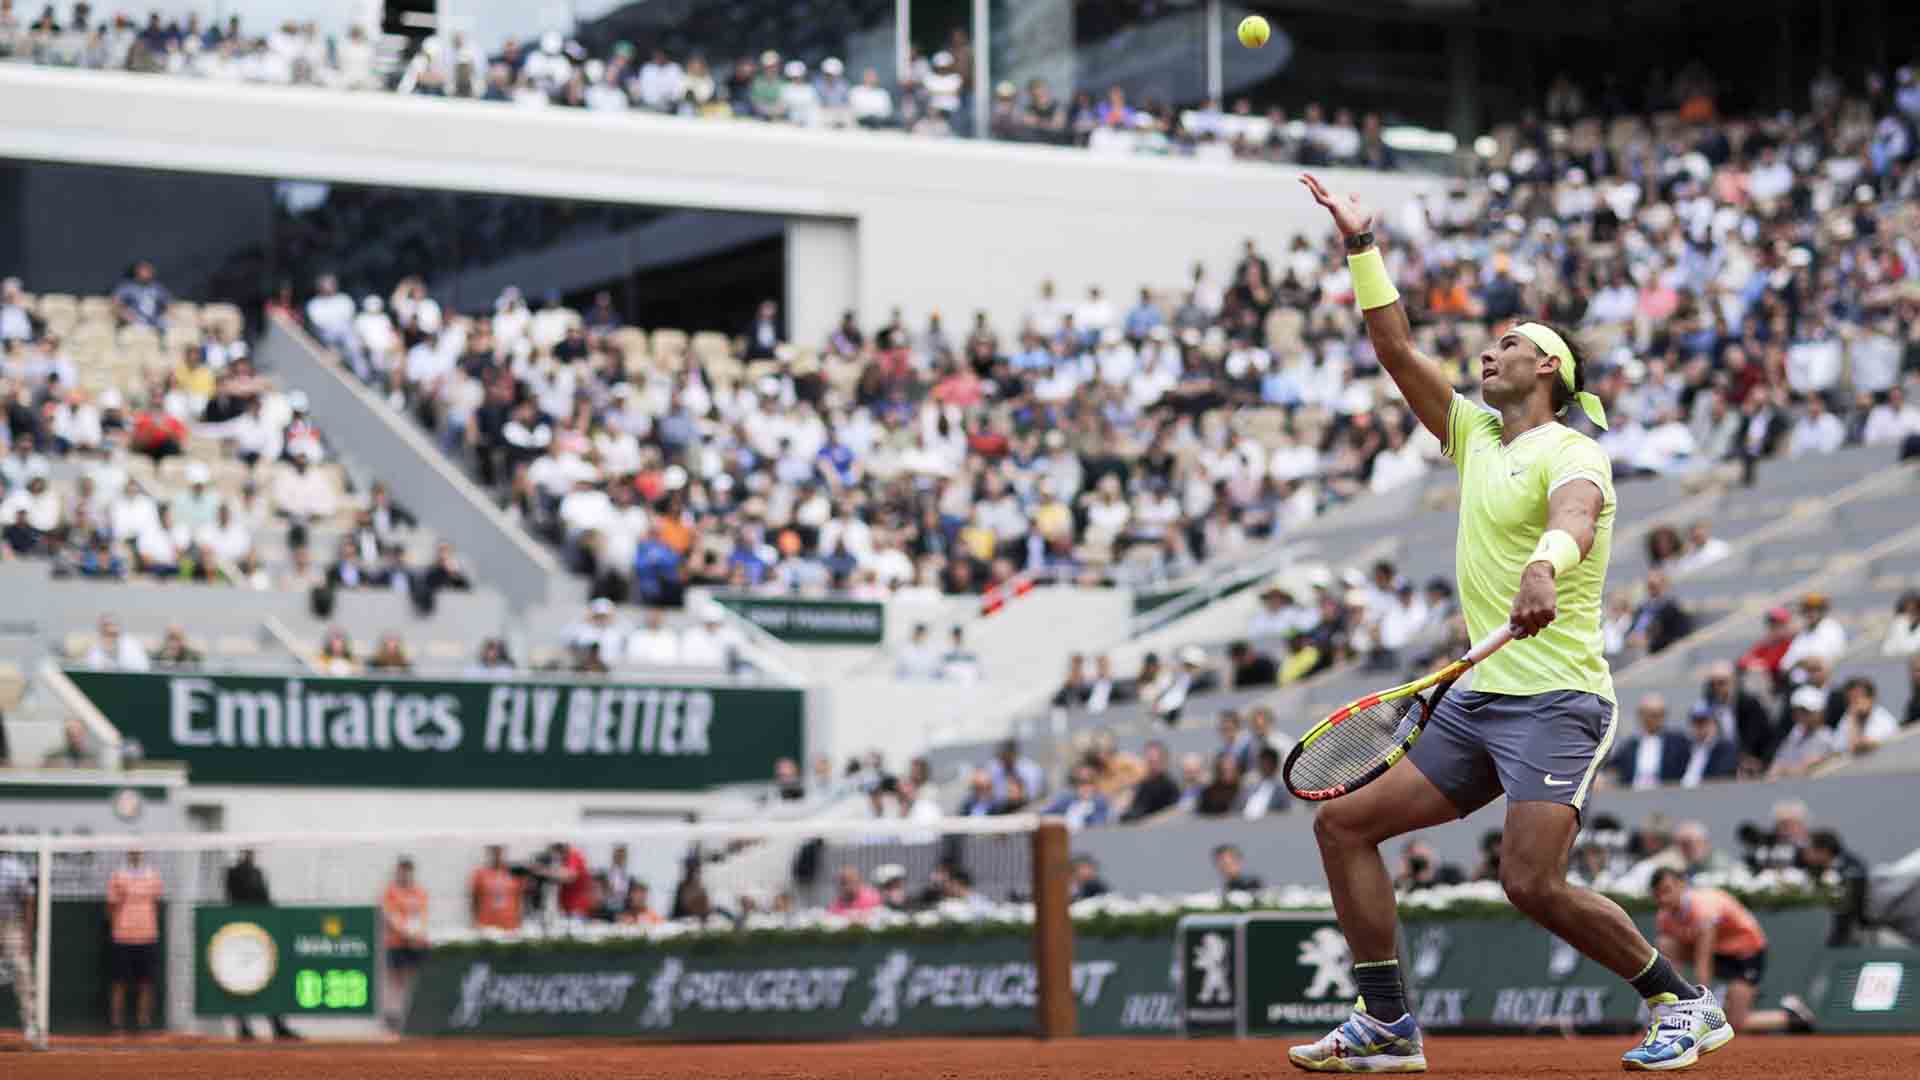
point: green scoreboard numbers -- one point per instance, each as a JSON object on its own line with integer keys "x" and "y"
{"x": 284, "y": 960}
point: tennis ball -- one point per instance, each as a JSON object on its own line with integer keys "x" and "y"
{"x": 1254, "y": 31}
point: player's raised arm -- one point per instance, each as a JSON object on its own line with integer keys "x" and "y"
{"x": 1421, "y": 382}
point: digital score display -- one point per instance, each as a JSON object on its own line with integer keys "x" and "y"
{"x": 333, "y": 990}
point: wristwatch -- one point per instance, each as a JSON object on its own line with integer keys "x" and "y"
{"x": 1359, "y": 242}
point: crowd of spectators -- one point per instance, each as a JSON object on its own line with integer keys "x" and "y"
{"x": 1734, "y": 280}
{"x": 932, "y": 96}
{"x": 1779, "y": 710}
{"x": 89, "y": 487}
{"x": 1378, "y": 620}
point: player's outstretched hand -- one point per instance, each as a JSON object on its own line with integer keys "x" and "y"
{"x": 1536, "y": 604}
{"x": 1349, "y": 216}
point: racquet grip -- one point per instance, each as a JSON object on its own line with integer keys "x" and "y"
{"x": 1490, "y": 644}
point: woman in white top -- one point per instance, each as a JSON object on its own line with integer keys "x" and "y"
{"x": 1903, "y": 634}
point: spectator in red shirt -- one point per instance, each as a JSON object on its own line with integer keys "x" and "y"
{"x": 158, "y": 434}
{"x": 855, "y": 897}
{"x": 961, "y": 387}
{"x": 566, "y": 867}
{"x": 1766, "y": 653}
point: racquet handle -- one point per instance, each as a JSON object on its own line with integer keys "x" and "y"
{"x": 1490, "y": 644}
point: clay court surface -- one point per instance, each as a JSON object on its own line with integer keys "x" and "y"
{"x": 1776, "y": 1058}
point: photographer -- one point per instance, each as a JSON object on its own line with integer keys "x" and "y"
{"x": 1489, "y": 868}
{"x": 1826, "y": 858}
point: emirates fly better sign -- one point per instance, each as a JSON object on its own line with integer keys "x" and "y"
{"x": 461, "y": 733}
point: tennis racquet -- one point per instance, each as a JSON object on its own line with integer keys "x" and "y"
{"x": 1360, "y": 742}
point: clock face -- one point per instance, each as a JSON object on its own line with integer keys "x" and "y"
{"x": 242, "y": 958}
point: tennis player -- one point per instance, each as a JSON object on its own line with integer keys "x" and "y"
{"x": 1536, "y": 526}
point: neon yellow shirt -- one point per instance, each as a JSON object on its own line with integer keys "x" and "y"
{"x": 1503, "y": 511}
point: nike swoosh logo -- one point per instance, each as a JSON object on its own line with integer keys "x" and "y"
{"x": 1551, "y": 782}
{"x": 1517, "y": 472}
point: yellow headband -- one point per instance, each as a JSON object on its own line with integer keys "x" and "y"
{"x": 1555, "y": 346}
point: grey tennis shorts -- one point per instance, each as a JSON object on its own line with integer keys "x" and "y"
{"x": 1537, "y": 748}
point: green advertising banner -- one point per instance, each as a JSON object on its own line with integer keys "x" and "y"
{"x": 1210, "y": 955}
{"x": 1291, "y": 972}
{"x": 1870, "y": 990}
{"x": 1122, "y": 987}
{"x": 456, "y": 733}
{"x": 284, "y": 960}
{"x": 804, "y": 621}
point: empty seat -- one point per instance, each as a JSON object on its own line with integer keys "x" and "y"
{"x": 670, "y": 349}
{"x": 96, "y": 309}
{"x": 137, "y": 334}
{"x": 223, "y": 320}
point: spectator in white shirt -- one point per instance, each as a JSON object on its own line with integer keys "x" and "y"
{"x": 376, "y": 333}
{"x": 708, "y": 645}
{"x": 1398, "y": 465}
{"x": 22, "y": 461}
{"x": 662, "y": 82}
{"x": 15, "y": 323}
{"x": 585, "y": 507}
{"x": 919, "y": 658}
{"x": 1816, "y": 432}
{"x": 1703, "y": 549}
{"x": 36, "y": 500}
{"x": 112, "y": 651}
{"x": 1892, "y": 420}
{"x": 256, "y": 437}
{"x": 654, "y": 644}
{"x": 604, "y": 92}
{"x": 331, "y": 314}
{"x": 1867, "y": 723}
{"x": 799, "y": 101}
{"x": 226, "y": 537}
{"x": 1403, "y": 618}
{"x": 1810, "y": 742}
{"x": 602, "y": 629}
{"x": 1667, "y": 445}
{"x": 303, "y": 493}
{"x": 1821, "y": 635}
{"x": 197, "y": 505}
{"x": 132, "y": 513}
{"x": 1095, "y": 314}
{"x": 76, "y": 423}
{"x": 1903, "y": 633}
{"x": 160, "y": 544}
{"x": 871, "y": 103}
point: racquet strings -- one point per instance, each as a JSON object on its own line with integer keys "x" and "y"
{"x": 1353, "y": 748}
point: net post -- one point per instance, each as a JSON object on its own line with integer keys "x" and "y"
{"x": 1053, "y": 931}
{"x": 43, "y": 944}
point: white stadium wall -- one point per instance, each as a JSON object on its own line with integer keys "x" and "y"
{"x": 928, "y": 225}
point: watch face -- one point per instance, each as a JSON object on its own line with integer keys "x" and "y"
{"x": 242, "y": 958}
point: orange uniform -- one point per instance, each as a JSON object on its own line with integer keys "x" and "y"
{"x": 496, "y": 898}
{"x": 406, "y": 911}
{"x": 133, "y": 906}
{"x": 1713, "y": 911}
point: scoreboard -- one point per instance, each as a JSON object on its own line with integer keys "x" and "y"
{"x": 309, "y": 960}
